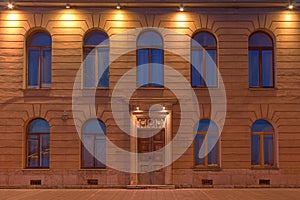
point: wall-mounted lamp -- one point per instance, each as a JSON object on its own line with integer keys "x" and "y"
{"x": 64, "y": 116}
{"x": 181, "y": 8}
{"x": 68, "y": 6}
{"x": 137, "y": 108}
{"x": 118, "y": 6}
{"x": 10, "y": 5}
{"x": 291, "y": 7}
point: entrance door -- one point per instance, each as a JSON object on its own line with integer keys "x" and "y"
{"x": 153, "y": 158}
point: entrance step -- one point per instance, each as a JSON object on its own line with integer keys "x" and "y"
{"x": 150, "y": 186}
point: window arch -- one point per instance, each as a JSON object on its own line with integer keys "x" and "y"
{"x": 39, "y": 55}
{"x": 261, "y": 60}
{"x": 203, "y": 60}
{"x": 207, "y": 134}
{"x": 96, "y": 59}
{"x": 262, "y": 144}
{"x": 93, "y": 148}
{"x": 38, "y": 144}
{"x": 150, "y": 55}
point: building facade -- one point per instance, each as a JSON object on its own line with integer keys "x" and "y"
{"x": 51, "y": 55}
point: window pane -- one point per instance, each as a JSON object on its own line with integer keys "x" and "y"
{"x": 157, "y": 69}
{"x": 260, "y": 40}
{"x": 253, "y": 68}
{"x": 143, "y": 67}
{"x": 88, "y": 151}
{"x": 150, "y": 39}
{"x": 100, "y": 152}
{"x": 40, "y": 39}
{"x": 95, "y": 38}
{"x": 267, "y": 68}
{"x": 46, "y": 68}
{"x": 206, "y": 125}
{"x": 199, "y": 155}
{"x": 210, "y": 68}
{"x": 39, "y": 126}
{"x": 32, "y": 153}
{"x": 94, "y": 126}
{"x": 205, "y": 39}
{"x": 45, "y": 150}
{"x": 255, "y": 149}
{"x": 212, "y": 147}
{"x": 268, "y": 150}
{"x": 33, "y": 67}
{"x": 89, "y": 70}
{"x": 196, "y": 58}
{"x": 261, "y": 126}
{"x": 103, "y": 61}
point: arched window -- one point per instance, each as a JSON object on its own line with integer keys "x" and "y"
{"x": 203, "y": 60}
{"x": 262, "y": 144}
{"x": 93, "y": 153}
{"x": 150, "y": 57}
{"x": 38, "y": 144}
{"x": 206, "y": 147}
{"x": 39, "y": 61}
{"x": 261, "y": 60}
{"x": 96, "y": 60}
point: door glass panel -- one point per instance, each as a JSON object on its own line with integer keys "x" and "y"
{"x": 88, "y": 151}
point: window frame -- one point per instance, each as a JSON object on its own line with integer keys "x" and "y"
{"x": 204, "y": 49}
{"x": 95, "y": 48}
{"x": 260, "y": 49}
{"x": 262, "y": 150}
{"x": 38, "y": 134}
{"x": 40, "y": 59}
{"x": 149, "y": 85}
{"x": 82, "y": 147}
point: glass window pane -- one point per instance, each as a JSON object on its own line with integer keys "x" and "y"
{"x": 199, "y": 155}
{"x": 89, "y": 70}
{"x": 103, "y": 62}
{"x": 268, "y": 150}
{"x": 262, "y": 126}
{"x": 150, "y": 39}
{"x": 157, "y": 69}
{"x": 32, "y": 153}
{"x": 253, "y": 68}
{"x": 260, "y": 40}
{"x": 46, "y": 68}
{"x": 210, "y": 68}
{"x": 206, "y": 125}
{"x": 142, "y": 67}
{"x": 40, "y": 39}
{"x": 94, "y": 126}
{"x": 39, "y": 126}
{"x": 205, "y": 39}
{"x": 255, "y": 149}
{"x": 33, "y": 67}
{"x": 100, "y": 153}
{"x": 212, "y": 147}
{"x": 88, "y": 151}
{"x": 95, "y": 38}
{"x": 196, "y": 58}
{"x": 267, "y": 68}
{"x": 45, "y": 150}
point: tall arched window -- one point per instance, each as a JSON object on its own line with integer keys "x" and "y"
{"x": 38, "y": 144}
{"x": 203, "y": 60}
{"x": 150, "y": 57}
{"x": 261, "y": 60}
{"x": 93, "y": 153}
{"x": 96, "y": 60}
{"x": 262, "y": 144}
{"x": 39, "y": 61}
{"x": 206, "y": 145}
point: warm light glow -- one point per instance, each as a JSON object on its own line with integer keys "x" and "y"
{"x": 181, "y": 17}
{"x": 10, "y": 6}
{"x": 181, "y": 8}
{"x": 137, "y": 108}
{"x": 291, "y": 7}
{"x": 68, "y": 6}
{"x": 118, "y": 6}
{"x": 163, "y": 108}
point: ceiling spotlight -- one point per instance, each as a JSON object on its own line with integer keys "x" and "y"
{"x": 291, "y": 7}
{"x": 10, "y": 6}
{"x": 68, "y": 6}
{"x": 118, "y": 6}
{"x": 181, "y": 8}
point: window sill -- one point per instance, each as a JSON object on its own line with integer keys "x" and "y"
{"x": 262, "y": 88}
{"x": 92, "y": 169}
{"x": 264, "y": 168}
{"x": 36, "y": 169}
{"x": 207, "y": 169}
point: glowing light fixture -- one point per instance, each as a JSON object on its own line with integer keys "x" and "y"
{"x": 181, "y": 8}
{"x": 291, "y": 7}
{"x": 118, "y": 6}
{"x": 10, "y": 5}
{"x": 68, "y": 6}
{"x": 137, "y": 108}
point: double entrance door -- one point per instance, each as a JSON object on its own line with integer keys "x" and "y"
{"x": 151, "y": 156}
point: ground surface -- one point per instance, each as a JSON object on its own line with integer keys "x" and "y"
{"x": 149, "y": 194}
